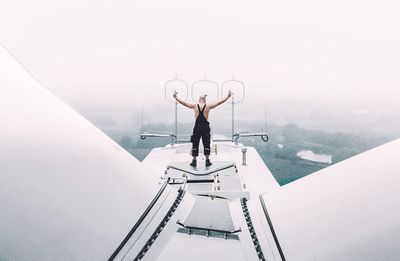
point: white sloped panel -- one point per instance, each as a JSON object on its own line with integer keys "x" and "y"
{"x": 349, "y": 211}
{"x": 67, "y": 191}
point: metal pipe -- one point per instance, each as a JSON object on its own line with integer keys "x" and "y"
{"x": 244, "y": 150}
{"x": 233, "y": 116}
{"x": 265, "y": 117}
{"x": 176, "y": 118}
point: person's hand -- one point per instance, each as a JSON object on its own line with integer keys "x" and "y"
{"x": 229, "y": 93}
{"x": 175, "y": 94}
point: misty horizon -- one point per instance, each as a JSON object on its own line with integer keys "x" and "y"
{"x": 343, "y": 119}
{"x": 329, "y": 66}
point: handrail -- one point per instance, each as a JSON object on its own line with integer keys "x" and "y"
{"x": 173, "y": 137}
{"x": 271, "y": 227}
{"x": 139, "y": 222}
{"x": 222, "y": 140}
{"x": 161, "y": 226}
{"x": 237, "y": 136}
{"x": 145, "y": 135}
{"x": 182, "y": 140}
{"x": 253, "y": 234}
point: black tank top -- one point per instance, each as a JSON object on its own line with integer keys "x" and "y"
{"x": 201, "y": 120}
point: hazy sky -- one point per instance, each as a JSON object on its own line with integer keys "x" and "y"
{"x": 307, "y": 60}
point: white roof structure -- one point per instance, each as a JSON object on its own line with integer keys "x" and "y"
{"x": 349, "y": 211}
{"x": 210, "y": 221}
{"x": 68, "y": 192}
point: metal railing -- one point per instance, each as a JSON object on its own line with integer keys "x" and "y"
{"x": 172, "y": 136}
{"x": 197, "y": 84}
{"x": 237, "y": 136}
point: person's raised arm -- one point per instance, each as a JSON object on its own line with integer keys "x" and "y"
{"x": 213, "y": 105}
{"x": 186, "y": 104}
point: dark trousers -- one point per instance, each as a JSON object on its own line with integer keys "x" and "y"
{"x": 204, "y": 135}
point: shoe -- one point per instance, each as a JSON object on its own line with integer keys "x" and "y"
{"x": 194, "y": 163}
{"x": 208, "y": 163}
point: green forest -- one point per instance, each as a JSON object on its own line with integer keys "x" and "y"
{"x": 280, "y": 152}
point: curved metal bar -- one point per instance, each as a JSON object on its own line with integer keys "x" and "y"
{"x": 176, "y": 80}
{"x": 241, "y": 84}
{"x": 263, "y": 135}
{"x": 208, "y": 81}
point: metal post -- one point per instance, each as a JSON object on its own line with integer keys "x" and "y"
{"x": 176, "y": 120}
{"x": 233, "y": 116}
{"x": 265, "y": 117}
{"x": 244, "y": 161}
{"x": 174, "y": 134}
{"x": 142, "y": 121}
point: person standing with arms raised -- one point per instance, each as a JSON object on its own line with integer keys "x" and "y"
{"x": 201, "y": 128}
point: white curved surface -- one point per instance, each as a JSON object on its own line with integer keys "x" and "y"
{"x": 349, "y": 211}
{"x": 67, "y": 191}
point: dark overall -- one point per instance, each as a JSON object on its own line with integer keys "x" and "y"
{"x": 201, "y": 130}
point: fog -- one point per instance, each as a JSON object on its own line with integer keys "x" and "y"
{"x": 323, "y": 65}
